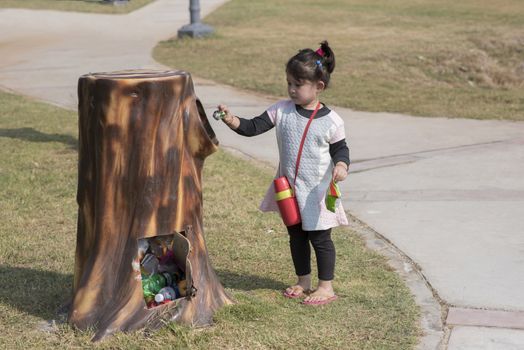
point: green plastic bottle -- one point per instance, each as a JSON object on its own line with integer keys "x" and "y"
{"x": 152, "y": 284}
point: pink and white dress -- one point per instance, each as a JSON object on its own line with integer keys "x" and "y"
{"x": 316, "y": 165}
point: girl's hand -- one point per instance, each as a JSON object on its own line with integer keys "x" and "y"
{"x": 340, "y": 172}
{"x": 229, "y": 119}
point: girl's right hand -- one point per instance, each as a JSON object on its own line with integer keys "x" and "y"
{"x": 228, "y": 119}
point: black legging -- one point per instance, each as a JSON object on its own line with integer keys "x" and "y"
{"x": 301, "y": 251}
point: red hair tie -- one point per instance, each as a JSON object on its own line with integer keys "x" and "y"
{"x": 320, "y": 52}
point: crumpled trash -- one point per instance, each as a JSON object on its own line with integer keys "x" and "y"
{"x": 157, "y": 269}
{"x": 333, "y": 193}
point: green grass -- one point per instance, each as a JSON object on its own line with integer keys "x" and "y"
{"x": 249, "y": 250}
{"x": 428, "y": 58}
{"x": 96, "y": 6}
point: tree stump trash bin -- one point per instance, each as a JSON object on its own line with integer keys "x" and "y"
{"x": 143, "y": 138}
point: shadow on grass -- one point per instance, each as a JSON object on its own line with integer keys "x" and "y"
{"x": 36, "y": 292}
{"x": 44, "y": 294}
{"x": 248, "y": 282}
{"x": 30, "y": 134}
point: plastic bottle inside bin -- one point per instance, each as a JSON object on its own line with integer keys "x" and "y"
{"x": 168, "y": 278}
{"x": 165, "y": 294}
{"x": 149, "y": 264}
{"x": 143, "y": 245}
{"x": 152, "y": 284}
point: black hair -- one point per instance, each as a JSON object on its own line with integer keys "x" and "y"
{"x": 312, "y": 65}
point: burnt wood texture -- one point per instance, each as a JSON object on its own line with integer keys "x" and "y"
{"x": 143, "y": 138}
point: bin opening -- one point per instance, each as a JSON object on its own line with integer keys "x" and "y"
{"x": 162, "y": 267}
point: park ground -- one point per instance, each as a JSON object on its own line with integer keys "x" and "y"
{"x": 249, "y": 251}
{"x": 470, "y": 62}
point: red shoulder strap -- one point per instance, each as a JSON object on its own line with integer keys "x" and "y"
{"x": 304, "y": 139}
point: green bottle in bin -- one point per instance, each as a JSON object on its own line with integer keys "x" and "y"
{"x": 152, "y": 284}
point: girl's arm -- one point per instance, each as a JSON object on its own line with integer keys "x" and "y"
{"x": 339, "y": 152}
{"x": 229, "y": 119}
{"x": 340, "y": 171}
{"x": 247, "y": 127}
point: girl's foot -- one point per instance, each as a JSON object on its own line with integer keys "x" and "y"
{"x": 322, "y": 295}
{"x": 298, "y": 290}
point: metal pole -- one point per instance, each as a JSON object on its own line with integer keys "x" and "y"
{"x": 195, "y": 28}
{"x": 194, "y": 10}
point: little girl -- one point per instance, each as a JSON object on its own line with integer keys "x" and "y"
{"x": 325, "y": 157}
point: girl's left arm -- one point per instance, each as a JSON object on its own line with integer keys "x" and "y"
{"x": 340, "y": 172}
{"x": 339, "y": 152}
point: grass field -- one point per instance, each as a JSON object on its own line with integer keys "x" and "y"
{"x": 429, "y": 58}
{"x": 97, "y": 6}
{"x": 249, "y": 250}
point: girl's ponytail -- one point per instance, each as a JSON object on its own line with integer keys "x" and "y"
{"x": 328, "y": 55}
{"x": 312, "y": 65}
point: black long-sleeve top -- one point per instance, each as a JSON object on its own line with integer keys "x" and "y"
{"x": 339, "y": 151}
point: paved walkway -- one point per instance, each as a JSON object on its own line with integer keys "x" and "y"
{"x": 448, "y": 193}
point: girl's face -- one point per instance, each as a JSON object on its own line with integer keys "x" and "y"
{"x": 304, "y": 92}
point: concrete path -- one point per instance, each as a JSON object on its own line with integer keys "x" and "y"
{"x": 448, "y": 193}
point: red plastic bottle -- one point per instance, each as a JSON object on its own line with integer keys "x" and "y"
{"x": 286, "y": 201}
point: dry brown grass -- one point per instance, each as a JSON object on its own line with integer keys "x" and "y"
{"x": 440, "y": 58}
